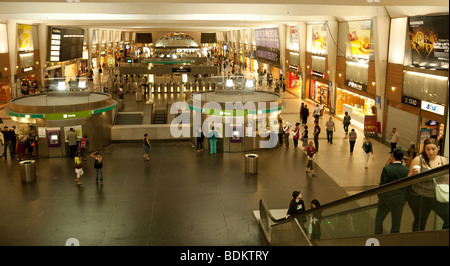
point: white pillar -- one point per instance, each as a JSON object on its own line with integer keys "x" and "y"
{"x": 12, "y": 48}
{"x": 43, "y": 36}
{"x": 332, "y": 56}
{"x": 381, "y": 26}
{"x": 302, "y": 52}
{"x": 282, "y": 38}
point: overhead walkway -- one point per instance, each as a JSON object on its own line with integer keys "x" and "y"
{"x": 351, "y": 221}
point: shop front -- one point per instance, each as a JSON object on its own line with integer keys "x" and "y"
{"x": 357, "y": 106}
{"x": 49, "y": 117}
{"x": 318, "y": 91}
{"x": 294, "y": 78}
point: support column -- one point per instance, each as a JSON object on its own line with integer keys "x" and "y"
{"x": 43, "y": 36}
{"x": 11, "y": 26}
{"x": 381, "y": 27}
{"x": 332, "y": 58}
{"x": 302, "y": 55}
{"x": 282, "y": 38}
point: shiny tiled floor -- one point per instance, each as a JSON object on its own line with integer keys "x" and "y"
{"x": 179, "y": 197}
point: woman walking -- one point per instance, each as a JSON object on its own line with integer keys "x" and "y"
{"x": 296, "y": 136}
{"x": 305, "y": 137}
{"x": 352, "y": 140}
{"x": 146, "y": 147}
{"x": 367, "y": 147}
{"x": 98, "y": 165}
{"x": 212, "y": 141}
{"x": 310, "y": 151}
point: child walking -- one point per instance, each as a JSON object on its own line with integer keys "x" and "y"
{"x": 78, "y": 167}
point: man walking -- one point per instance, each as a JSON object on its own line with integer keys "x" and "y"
{"x": 330, "y": 128}
{"x": 392, "y": 201}
{"x": 7, "y": 142}
{"x": 316, "y": 135}
{"x": 394, "y": 139}
{"x": 73, "y": 144}
{"x": 316, "y": 113}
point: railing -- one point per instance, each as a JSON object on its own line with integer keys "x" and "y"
{"x": 361, "y": 215}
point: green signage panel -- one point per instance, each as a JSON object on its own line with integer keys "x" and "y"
{"x": 70, "y": 115}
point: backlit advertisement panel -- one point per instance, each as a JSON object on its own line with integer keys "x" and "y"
{"x": 360, "y": 38}
{"x": 319, "y": 39}
{"x": 429, "y": 41}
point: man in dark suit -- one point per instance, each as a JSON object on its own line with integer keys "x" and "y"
{"x": 392, "y": 201}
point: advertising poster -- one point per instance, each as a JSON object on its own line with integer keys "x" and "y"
{"x": 24, "y": 37}
{"x": 370, "y": 123}
{"x": 77, "y": 130}
{"x": 429, "y": 41}
{"x": 319, "y": 39}
{"x": 295, "y": 38}
{"x": 360, "y": 38}
{"x": 267, "y": 38}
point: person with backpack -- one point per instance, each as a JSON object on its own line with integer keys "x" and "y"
{"x": 346, "y": 122}
{"x": 84, "y": 146}
{"x": 98, "y": 165}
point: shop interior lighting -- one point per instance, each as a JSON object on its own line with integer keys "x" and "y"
{"x": 249, "y": 83}
{"x": 427, "y": 75}
{"x": 61, "y": 85}
{"x": 360, "y": 63}
{"x": 82, "y": 84}
{"x": 229, "y": 83}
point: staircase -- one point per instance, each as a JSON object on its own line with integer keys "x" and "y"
{"x": 160, "y": 116}
{"x": 129, "y": 118}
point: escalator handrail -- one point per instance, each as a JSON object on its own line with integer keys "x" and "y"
{"x": 404, "y": 182}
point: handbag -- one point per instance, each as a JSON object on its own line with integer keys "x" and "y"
{"x": 441, "y": 192}
{"x": 441, "y": 189}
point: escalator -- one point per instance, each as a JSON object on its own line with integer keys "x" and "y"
{"x": 351, "y": 221}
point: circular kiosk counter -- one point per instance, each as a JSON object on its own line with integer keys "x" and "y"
{"x": 50, "y": 116}
{"x": 243, "y": 120}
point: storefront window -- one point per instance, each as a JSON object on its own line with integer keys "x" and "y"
{"x": 26, "y": 60}
{"x": 356, "y": 105}
{"x": 319, "y": 92}
{"x": 425, "y": 87}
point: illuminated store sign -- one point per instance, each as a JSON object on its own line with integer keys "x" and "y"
{"x": 317, "y": 73}
{"x": 411, "y": 101}
{"x": 356, "y": 86}
{"x": 432, "y": 107}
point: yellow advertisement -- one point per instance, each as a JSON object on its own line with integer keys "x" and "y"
{"x": 360, "y": 38}
{"x": 319, "y": 40}
{"x": 24, "y": 37}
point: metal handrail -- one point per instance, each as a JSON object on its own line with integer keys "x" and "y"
{"x": 439, "y": 171}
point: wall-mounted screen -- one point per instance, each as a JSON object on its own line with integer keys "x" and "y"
{"x": 65, "y": 44}
{"x": 144, "y": 38}
{"x": 208, "y": 38}
{"x": 267, "y": 38}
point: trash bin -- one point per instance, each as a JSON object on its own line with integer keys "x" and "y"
{"x": 251, "y": 164}
{"x": 139, "y": 96}
{"x": 28, "y": 171}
